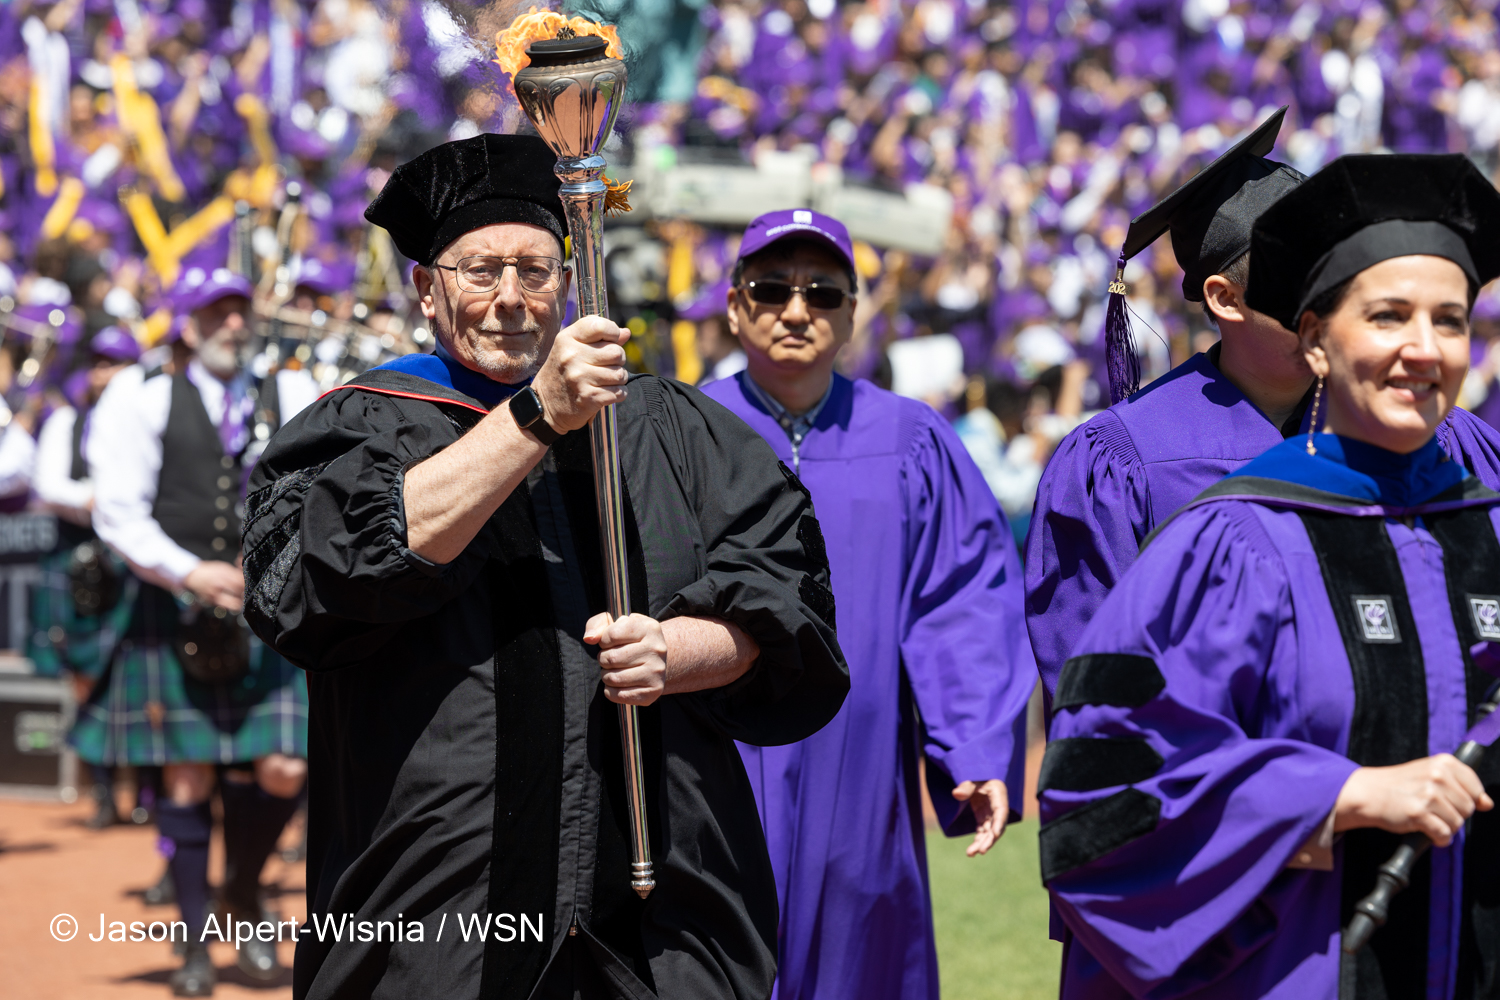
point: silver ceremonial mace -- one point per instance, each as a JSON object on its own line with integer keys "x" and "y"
{"x": 572, "y": 92}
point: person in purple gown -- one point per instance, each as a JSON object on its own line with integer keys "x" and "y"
{"x": 927, "y": 584}
{"x": 1120, "y": 475}
{"x": 1269, "y": 698}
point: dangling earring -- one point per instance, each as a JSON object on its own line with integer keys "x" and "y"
{"x": 1312, "y": 426}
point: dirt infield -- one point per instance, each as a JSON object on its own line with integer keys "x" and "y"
{"x": 51, "y": 864}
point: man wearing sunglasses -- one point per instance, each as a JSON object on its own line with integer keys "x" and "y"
{"x": 424, "y": 543}
{"x": 928, "y": 589}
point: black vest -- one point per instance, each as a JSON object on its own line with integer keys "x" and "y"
{"x": 71, "y": 535}
{"x": 198, "y": 491}
{"x": 80, "y": 468}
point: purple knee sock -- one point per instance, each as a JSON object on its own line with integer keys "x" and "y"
{"x": 185, "y": 831}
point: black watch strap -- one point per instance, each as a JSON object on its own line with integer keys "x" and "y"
{"x": 526, "y": 408}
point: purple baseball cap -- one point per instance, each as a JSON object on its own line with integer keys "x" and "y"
{"x": 115, "y": 344}
{"x": 199, "y": 287}
{"x": 799, "y": 223}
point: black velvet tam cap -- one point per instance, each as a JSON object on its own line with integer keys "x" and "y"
{"x": 435, "y": 198}
{"x": 1360, "y": 210}
{"x": 1210, "y": 216}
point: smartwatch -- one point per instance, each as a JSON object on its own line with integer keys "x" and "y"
{"x": 526, "y": 408}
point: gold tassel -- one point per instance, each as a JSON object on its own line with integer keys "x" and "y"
{"x": 152, "y": 233}
{"x": 141, "y": 119}
{"x": 55, "y": 222}
{"x": 685, "y": 351}
{"x": 718, "y": 88}
{"x": 617, "y": 196}
{"x": 165, "y": 250}
{"x": 680, "y": 268}
{"x": 154, "y": 327}
{"x": 257, "y": 187}
{"x": 250, "y": 108}
{"x": 200, "y": 226}
{"x": 43, "y": 152}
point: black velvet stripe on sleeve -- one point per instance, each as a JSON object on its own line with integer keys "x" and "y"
{"x": 1082, "y": 764}
{"x": 1092, "y": 831}
{"x": 1126, "y": 680}
{"x": 272, "y": 557}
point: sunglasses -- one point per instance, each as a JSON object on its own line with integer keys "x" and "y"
{"x": 779, "y": 293}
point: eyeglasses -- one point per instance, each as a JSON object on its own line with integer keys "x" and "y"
{"x": 779, "y": 293}
{"x": 480, "y": 274}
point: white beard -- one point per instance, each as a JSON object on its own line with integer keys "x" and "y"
{"x": 221, "y": 357}
{"x": 508, "y": 366}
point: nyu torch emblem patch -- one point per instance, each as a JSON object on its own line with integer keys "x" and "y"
{"x": 1376, "y": 620}
{"x": 1486, "y": 612}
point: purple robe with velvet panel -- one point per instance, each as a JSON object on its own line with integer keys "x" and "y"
{"x": 1190, "y": 855}
{"x": 928, "y": 590}
{"x": 1114, "y": 479}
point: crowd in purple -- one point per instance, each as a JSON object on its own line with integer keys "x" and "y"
{"x": 1050, "y": 124}
{"x": 181, "y": 176}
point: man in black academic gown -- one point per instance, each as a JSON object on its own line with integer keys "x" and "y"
{"x": 424, "y": 543}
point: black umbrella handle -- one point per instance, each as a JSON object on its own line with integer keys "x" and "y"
{"x": 1370, "y": 913}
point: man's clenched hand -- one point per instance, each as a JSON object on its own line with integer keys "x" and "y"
{"x": 632, "y": 655}
{"x": 583, "y": 373}
{"x": 643, "y": 659}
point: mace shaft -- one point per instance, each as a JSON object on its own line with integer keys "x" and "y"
{"x": 583, "y": 192}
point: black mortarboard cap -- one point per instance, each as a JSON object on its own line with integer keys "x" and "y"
{"x": 1210, "y": 218}
{"x": 433, "y": 199}
{"x": 1363, "y": 209}
{"x": 1211, "y": 215}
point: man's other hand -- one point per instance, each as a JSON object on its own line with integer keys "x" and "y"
{"x": 991, "y": 805}
{"x": 217, "y": 584}
{"x": 632, "y": 655}
{"x": 584, "y": 372}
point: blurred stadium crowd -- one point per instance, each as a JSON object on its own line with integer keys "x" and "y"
{"x": 143, "y": 139}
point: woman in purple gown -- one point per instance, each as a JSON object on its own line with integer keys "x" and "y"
{"x": 1268, "y": 698}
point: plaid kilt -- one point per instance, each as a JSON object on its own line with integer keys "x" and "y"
{"x": 147, "y": 710}
{"x": 61, "y": 639}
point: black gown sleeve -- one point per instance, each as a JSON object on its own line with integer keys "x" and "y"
{"x": 328, "y": 576}
{"x": 766, "y": 568}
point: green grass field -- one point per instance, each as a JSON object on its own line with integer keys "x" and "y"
{"x": 991, "y": 919}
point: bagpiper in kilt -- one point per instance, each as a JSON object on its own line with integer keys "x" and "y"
{"x": 188, "y": 686}
{"x": 81, "y": 605}
{"x": 150, "y": 711}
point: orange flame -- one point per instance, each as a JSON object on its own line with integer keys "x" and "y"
{"x": 510, "y": 44}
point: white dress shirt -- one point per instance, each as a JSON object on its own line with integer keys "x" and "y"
{"x": 124, "y": 454}
{"x": 17, "y": 456}
{"x": 17, "y": 459}
{"x": 55, "y": 486}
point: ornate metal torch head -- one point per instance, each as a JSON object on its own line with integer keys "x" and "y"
{"x": 572, "y": 92}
